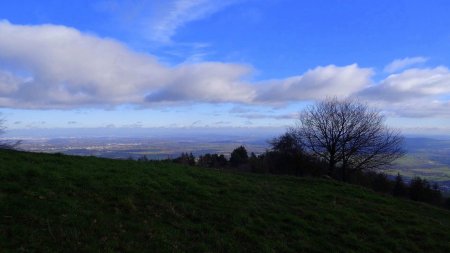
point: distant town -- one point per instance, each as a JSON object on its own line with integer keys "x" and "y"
{"x": 134, "y": 148}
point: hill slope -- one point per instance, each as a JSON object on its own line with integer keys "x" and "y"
{"x": 56, "y": 203}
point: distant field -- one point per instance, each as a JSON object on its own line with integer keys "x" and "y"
{"x": 152, "y": 148}
{"x": 59, "y": 203}
{"x": 431, "y": 170}
{"x": 427, "y": 158}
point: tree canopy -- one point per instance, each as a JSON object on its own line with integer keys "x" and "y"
{"x": 238, "y": 156}
{"x": 349, "y": 136}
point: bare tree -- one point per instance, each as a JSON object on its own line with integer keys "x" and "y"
{"x": 349, "y": 136}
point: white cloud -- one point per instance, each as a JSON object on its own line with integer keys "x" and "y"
{"x": 206, "y": 82}
{"x": 400, "y": 64}
{"x": 411, "y": 84}
{"x": 159, "y": 20}
{"x": 415, "y": 108}
{"x": 413, "y": 93}
{"x": 8, "y": 82}
{"x": 317, "y": 83}
{"x": 422, "y": 109}
{"x": 66, "y": 68}
{"x": 177, "y": 13}
{"x": 269, "y": 116}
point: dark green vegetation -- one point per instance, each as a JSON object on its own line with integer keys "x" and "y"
{"x": 58, "y": 203}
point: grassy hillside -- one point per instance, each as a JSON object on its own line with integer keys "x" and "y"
{"x": 56, "y": 203}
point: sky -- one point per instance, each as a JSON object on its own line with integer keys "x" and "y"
{"x": 219, "y": 63}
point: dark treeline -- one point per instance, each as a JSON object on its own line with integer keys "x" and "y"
{"x": 286, "y": 157}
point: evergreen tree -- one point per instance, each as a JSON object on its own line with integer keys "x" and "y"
{"x": 399, "y": 186}
{"x": 238, "y": 156}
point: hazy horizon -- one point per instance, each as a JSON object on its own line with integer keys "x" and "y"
{"x": 142, "y": 132}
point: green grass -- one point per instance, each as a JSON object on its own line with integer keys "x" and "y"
{"x": 421, "y": 165}
{"x": 432, "y": 174}
{"x": 57, "y": 203}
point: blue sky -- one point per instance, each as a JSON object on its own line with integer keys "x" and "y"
{"x": 211, "y": 63}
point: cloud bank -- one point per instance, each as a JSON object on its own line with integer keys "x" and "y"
{"x": 51, "y": 66}
{"x": 57, "y": 67}
{"x": 413, "y": 92}
{"x": 316, "y": 84}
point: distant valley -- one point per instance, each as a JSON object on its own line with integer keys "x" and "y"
{"x": 152, "y": 148}
{"x": 426, "y": 157}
